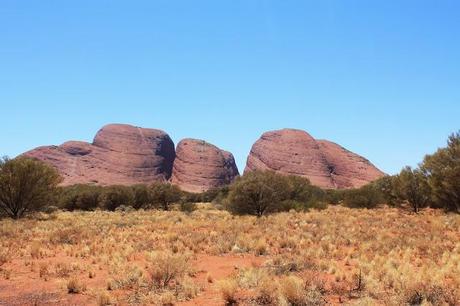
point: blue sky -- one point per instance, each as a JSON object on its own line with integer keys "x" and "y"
{"x": 381, "y": 78}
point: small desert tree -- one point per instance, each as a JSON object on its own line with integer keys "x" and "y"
{"x": 412, "y": 186}
{"x": 26, "y": 185}
{"x": 81, "y": 197}
{"x": 142, "y": 197}
{"x": 443, "y": 172}
{"x": 368, "y": 196}
{"x": 115, "y": 196}
{"x": 258, "y": 193}
{"x": 301, "y": 194}
{"x": 387, "y": 187}
{"x": 164, "y": 194}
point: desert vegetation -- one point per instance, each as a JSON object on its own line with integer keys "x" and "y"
{"x": 266, "y": 239}
{"x": 336, "y": 255}
{"x": 26, "y": 185}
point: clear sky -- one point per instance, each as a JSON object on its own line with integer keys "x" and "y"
{"x": 381, "y": 78}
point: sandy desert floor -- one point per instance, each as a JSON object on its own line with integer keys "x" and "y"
{"x": 335, "y": 256}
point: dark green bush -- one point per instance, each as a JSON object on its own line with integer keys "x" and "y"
{"x": 142, "y": 196}
{"x": 334, "y": 196}
{"x": 187, "y": 207}
{"x": 367, "y": 196}
{"x": 213, "y": 193}
{"x": 115, "y": 196}
{"x": 411, "y": 186}
{"x": 26, "y": 185}
{"x": 261, "y": 192}
{"x": 191, "y": 197}
{"x": 80, "y": 197}
{"x": 258, "y": 193}
{"x": 387, "y": 186}
{"x": 442, "y": 170}
{"x": 164, "y": 194}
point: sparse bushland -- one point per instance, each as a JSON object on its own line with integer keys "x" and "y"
{"x": 167, "y": 267}
{"x": 412, "y": 186}
{"x": 442, "y": 170}
{"x": 257, "y": 193}
{"x": 163, "y": 195}
{"x": 115, "y": 196}
{"x": 80, "y": 197}
{"x": 229, "y": 288}
{"x": 337, "y": 256}
{"x": 89, "y": 197}
{"x": 141, "y": 196}
{"x": 435, "y": 183}
{"x": 26, "y": 185}
{"x": 262, "y": 192}
{"x": 367, "y": 196}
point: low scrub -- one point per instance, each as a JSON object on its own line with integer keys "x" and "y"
{"x": 263, "y": 192}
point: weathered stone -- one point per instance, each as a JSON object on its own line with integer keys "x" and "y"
{"x": 325, "y": 164}
{"x": 120, "y": 154}
{"x": 200, "y": 166}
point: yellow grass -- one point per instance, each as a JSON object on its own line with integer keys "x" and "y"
{"x": 338, "y": 255}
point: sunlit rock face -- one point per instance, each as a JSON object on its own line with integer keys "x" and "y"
{"x": 200, "y": 166}
{"x": 120, "y": 154}
{"x": 325, "y": 164}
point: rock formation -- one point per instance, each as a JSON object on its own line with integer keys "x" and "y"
{"x": 119, "y": 154}
{"x": 200, "y": 166}
{"x": 125, "y": 154}
{"x": 325, "y": 164}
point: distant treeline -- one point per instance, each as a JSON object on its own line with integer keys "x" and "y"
{"x": 29, "y": 185}
{"x": 434, "y": 183}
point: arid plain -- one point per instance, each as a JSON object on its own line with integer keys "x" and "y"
{"x": 383, "y": 256}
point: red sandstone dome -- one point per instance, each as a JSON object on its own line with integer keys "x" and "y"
{"x": 119, "y": 154}
{"x": 125, "y": 154}
{"x": 200, "y": 166}
{"x": 325, "y": 164}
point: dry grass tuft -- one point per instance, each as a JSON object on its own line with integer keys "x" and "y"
{"x": 167, "y": 267}
{"x": 74, "y": 285}
{"x": 228, "y": 289}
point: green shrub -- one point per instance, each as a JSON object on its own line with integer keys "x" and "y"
{"x": 115, "y": 196}
{"x": 26, "y": 185}
{"x": 80, "y": 197}
{"x": 261, "y": 192}
{"x": 412, "y": 187}
{"x": 258, "y": 193}
{"x": 334, "y": 196}
{"x": 301, "y": 190}
{"x": 142, "y": 197}
{"x": 365, "y": 197}
{"x": 187, "y": 207}
{"x": 221, "y": 196}
{"x": 442, "y": 170}
{"x": 191, "y": 197}
{"x": 387, "y": 186}
{"x": 164, "y": 194}
{"x": 211, "y": 194}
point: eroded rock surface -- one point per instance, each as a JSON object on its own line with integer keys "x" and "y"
{"x": 325, "y": 164}
{"x": 200, "y": 166}
{"x": 119, "y": 154}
